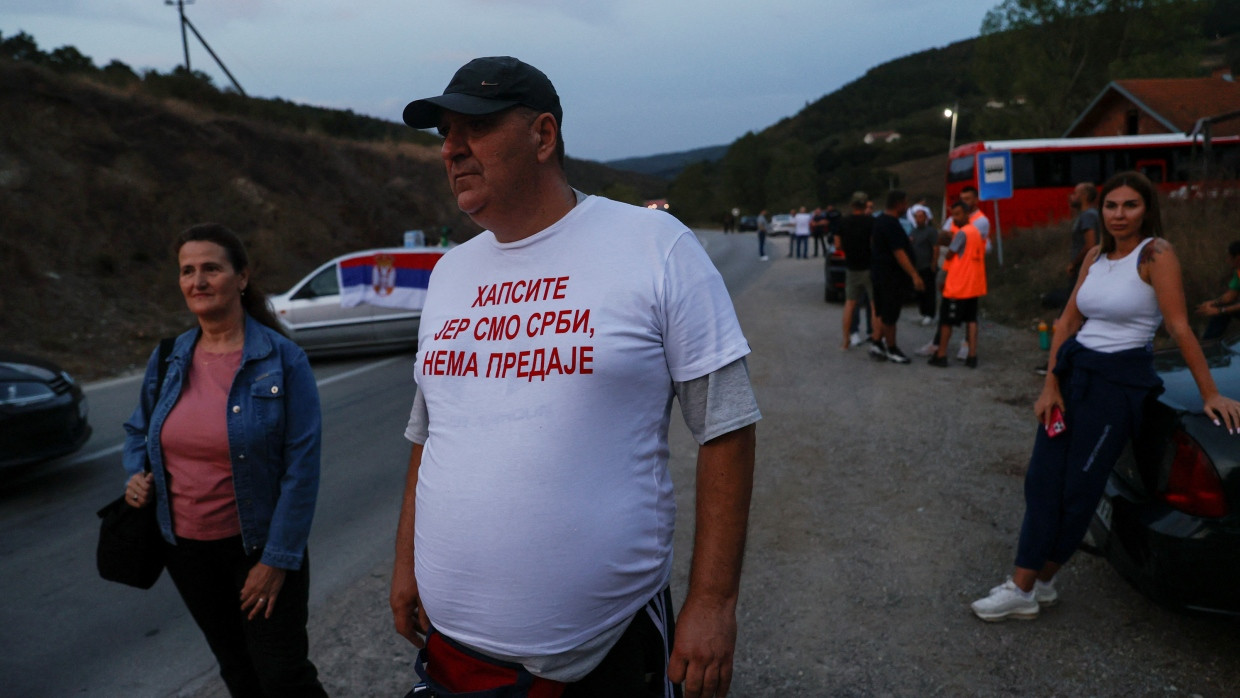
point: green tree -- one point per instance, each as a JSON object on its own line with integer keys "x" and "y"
{"x": 693, "y": 196}
{"x": 68, "y": 59}
{"x": 745, "y": 169}
{"x": 1051, "y": 57}
{"x": 22, "y": 47}
{"x": 791, "y": 180}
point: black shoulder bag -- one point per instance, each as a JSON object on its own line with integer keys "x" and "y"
{"x": 130, "y": 546}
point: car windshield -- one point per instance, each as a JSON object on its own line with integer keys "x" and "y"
{"x": 324, "y": 283}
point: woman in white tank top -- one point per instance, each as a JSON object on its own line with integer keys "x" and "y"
{"x": 1100, "y": 374}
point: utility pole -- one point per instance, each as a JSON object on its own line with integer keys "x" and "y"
{"x": 185, "y": 43}
{"x": 184, "y": 40}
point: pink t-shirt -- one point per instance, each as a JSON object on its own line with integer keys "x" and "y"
{"x": 195, "y": 444}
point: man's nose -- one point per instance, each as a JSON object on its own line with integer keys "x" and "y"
{"x": 454, "y": 145}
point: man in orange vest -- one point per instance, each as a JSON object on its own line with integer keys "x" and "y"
{"x": 966, "y": 282}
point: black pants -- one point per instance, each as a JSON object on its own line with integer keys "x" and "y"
{"x": 260, "y": 657}
{"x": 925, "y": 299}
{"x": 636, "y": 667}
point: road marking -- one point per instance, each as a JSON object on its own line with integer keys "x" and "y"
{"x": 359, "y": 370}
{"x": 104, "y": 452}
{"x": 100, "y": 385}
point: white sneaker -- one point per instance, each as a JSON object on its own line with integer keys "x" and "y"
{"x": 926, "y": 321}
{"x": 1043, "y": 592}
{"x": 927, "y": 350}
{"x": 1006, "y": 601}
{"x": 856, "y": 339}
{"x": 964, "y": 352}
{"x": 764, "y": 258}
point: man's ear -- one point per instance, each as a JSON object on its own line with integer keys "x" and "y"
{"x": 548, "y": 131}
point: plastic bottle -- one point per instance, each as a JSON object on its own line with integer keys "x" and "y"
{"x": 1044, "y": 335}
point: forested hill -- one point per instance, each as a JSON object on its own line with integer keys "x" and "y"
{"x": 1034, "y": 67}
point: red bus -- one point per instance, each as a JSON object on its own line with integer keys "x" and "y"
{"x": 1044, "y": 171}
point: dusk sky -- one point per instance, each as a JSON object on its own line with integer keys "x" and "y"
{"x": 636, "y": 77}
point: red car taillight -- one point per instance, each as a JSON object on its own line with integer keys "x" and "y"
{"x": 1193, "y": 486}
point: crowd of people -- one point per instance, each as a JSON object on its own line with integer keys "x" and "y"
{"x": 535, "y": 559}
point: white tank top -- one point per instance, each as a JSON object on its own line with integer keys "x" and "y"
{"x": 1121, "y": 310}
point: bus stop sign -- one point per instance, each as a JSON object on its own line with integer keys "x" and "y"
{"x": 995, "y": 181}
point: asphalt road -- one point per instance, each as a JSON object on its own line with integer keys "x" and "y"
{"x": 886, "y": 498}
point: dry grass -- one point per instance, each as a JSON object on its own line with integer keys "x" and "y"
{"x": 1036, "y": 261}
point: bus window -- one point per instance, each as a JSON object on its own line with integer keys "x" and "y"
{"x": 960, "y": 169}
{"x": 1154, "y": 170}
{"x": 1085, "y": 167}
{"x": 1022, "y": 171}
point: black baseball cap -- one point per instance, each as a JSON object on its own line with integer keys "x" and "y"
{"x": 486, "y": 86}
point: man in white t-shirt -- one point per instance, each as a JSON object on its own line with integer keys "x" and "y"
{"x": 550, "y": 350}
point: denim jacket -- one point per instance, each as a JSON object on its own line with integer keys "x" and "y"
{"x": 274, "y": 438}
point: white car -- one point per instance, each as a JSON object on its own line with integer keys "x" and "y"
{"x": 782, "y": 224}
{"x": 380, "y": 308}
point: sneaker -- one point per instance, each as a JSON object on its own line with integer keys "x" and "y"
{"x": 764, "y": 258}
{"x": 1043, "y": 592}
{"x": 940, "y": 361}
{"x": 1006, "y": 601}
{"x": 1040, "y": 370}
{"x": 970, "y": 361}
{"x": 926, "y": 321}
{"x": 895, "y": 356}
{"x": 930, "y": 349}
{"x": 964, "y": 351}
{"x": 878, "y": 350}
{"x": 856, "y": 339}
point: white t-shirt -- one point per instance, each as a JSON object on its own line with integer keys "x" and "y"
{"x": 544, "y": 505}
{"x": 803, "y": 222}
{"x": 1121, "y": 310}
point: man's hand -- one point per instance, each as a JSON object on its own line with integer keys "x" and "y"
{"x": 407, "y": 612}
{"x": 701, "y": 657}
{"x": 411, "y": 621}
{"x": 705, "y": 642}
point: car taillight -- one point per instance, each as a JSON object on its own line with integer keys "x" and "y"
{"x": 1193, "y": 486}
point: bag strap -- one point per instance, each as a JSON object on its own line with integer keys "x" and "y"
{"x": 161, "y": 369}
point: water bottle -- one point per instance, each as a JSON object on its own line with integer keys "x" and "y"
{"x": 1044, "y": 336}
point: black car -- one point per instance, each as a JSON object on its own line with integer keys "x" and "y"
{"x": 747, "y": 223}
{"x": 42, "y": 411}
{"x": 1169, "y": 521}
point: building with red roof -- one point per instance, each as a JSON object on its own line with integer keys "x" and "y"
{"x": 1170, "y": 105}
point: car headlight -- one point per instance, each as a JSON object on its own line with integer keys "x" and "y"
{"x": 24, "y": 393}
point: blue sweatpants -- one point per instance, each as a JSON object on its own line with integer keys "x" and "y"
{"x": 1068, "y": 473}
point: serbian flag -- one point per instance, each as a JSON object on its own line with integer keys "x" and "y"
{"x": 387, "y": 279}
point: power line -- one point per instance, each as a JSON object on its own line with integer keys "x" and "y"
{"x": 185, "y": 42}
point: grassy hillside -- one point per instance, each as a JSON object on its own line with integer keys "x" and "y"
{"x": 95, "y": 181}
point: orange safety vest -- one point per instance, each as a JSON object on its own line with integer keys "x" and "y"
{"x": 977, "y": 213}
{"x": 966, "y": 276}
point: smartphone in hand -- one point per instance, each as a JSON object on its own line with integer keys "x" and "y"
{"x": 1056, "y": 426}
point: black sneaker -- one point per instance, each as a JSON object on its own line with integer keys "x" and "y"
{"x": 940, "y": 361}
{"x": 971, "y": 361}
{"x": 895, "y": 356}
{"x": 878, "y": 350}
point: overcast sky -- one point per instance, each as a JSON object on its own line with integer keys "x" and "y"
{"x": 635, "y": 77}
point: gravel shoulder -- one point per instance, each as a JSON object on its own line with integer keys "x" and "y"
{"x": 886, "y": 499}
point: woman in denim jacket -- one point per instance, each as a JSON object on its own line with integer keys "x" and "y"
{"x": 233, "y": 439}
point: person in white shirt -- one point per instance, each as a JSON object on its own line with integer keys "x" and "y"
{"x": 552, "y": 345}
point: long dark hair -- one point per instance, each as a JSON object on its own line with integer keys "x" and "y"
{"x": 253, "y": 300}
{"x": 1151, "y": 223}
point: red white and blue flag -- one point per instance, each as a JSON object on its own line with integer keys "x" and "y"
{"x": 387, "y": 279}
